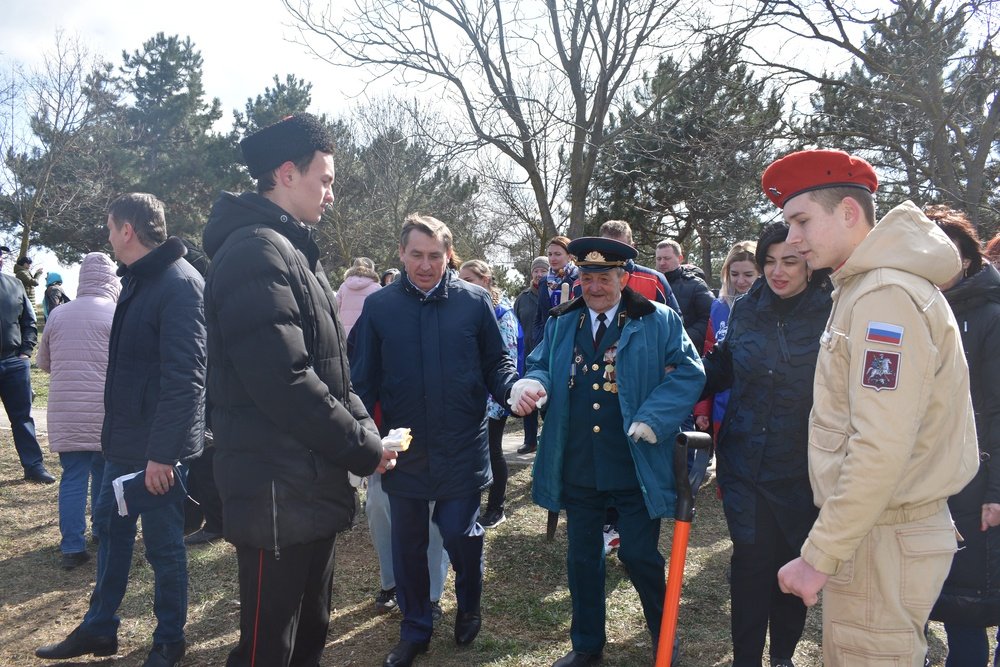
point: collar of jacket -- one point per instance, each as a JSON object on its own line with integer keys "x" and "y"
{"x": 635, "y": 305}
{"x": 156, "y": 260}
{"x": 440, "y": 292}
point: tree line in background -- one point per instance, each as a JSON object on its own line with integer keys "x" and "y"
{"x": 547, "y": 117}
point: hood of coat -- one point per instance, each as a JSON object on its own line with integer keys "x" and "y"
{"x": 98, "y": 277}
{"x": 358, "y": 283}
{"x": 231, "y": 212}
{"x": 975, "y": 290}
{"x": 905, "y": 240}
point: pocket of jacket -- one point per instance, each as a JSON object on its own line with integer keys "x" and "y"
{"x": 827, "y": 449}
{"x": 826, "y": 439}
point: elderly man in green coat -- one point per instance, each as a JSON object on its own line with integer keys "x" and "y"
{"x": 620, "y": 375}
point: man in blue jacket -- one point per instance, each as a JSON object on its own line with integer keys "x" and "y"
{"x": 620, "y": 376}
{"x": 428, "y": 349}
{"x": 154, "y": 417}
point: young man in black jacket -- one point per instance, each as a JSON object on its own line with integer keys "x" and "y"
{"x": 287, "y": 426}
{"x": 154, "y": 417}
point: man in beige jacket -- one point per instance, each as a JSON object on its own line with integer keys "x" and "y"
{"x": 891, "y": 433}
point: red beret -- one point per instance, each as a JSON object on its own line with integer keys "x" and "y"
{"x": 805, "y": 171}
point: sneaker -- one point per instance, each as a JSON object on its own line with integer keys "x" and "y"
{"x": 71, "y": 561}
{"x": 492, "y": 518}
{"x": 611, "y": 540}
{"x": 782, "y": 662}
{"x": 385, "y": 601}
{"x": 527, "y": 448}
{"x": 436, "y": 612}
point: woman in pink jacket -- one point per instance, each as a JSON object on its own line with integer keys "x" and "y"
{"x": 74, "y": 349}
{"x": 359, "y": 281}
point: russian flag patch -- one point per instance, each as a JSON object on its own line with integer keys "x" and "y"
{"x": 882, "y": 332}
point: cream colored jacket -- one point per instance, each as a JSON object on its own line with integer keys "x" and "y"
{"x": 891, "y": 433}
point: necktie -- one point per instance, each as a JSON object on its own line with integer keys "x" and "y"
{"x": 602, "y": 327}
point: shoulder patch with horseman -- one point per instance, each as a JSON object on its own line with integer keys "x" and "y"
{"x": 881, "y": 370}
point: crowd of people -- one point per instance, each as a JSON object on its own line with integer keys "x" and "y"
{"x": 846, "y": 370}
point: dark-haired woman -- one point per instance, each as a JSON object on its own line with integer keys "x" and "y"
{"x": 768, "y": 359}
{"x": 561, "y": 283}
{"x": 970, "y": 600}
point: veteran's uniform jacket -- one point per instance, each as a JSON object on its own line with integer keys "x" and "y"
{"x": 891, "y": 432}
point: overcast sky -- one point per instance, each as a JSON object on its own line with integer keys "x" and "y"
{"x": 243, "y": 45}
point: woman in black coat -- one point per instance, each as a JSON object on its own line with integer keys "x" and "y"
{"x": 768, "y": 359}
{"x": 970, "y": 600}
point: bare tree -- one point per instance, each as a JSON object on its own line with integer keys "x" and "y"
{"x": 920, "y": 96}
{"x": 44, "y": 116}
{"x": 529, "y": 77}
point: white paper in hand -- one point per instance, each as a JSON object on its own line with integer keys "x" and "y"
{"x": 398, "y": 440}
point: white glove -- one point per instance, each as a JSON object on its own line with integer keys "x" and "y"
{"x": 526, "y": 384}
{"x": 639, "y": 431}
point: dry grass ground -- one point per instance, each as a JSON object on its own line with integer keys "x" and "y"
{"x": 526, "y": 603}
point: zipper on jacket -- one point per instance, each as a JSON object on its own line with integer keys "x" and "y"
{"x": 782, "y": 343}
{"x": 274, "y": 520}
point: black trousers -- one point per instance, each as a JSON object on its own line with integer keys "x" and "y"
{"x": 757, "y": 601}
{"x": 284, "y": 605}
{"x": 498, "y": 492}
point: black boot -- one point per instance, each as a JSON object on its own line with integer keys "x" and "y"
{"x": 404, "y": 653}
{"x": 77, "y": 644}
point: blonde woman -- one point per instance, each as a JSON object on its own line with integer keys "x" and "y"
{"x": 478, "y": 272}
{"x": 739, "y": 272}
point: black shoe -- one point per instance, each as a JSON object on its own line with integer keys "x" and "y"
{"x": 385, "y": 601}
{"x": 39, "y": 476}
{"x": 436, "y": 612}
{"x": 527, "y": 448}
{"x": 404, "y": 653}
{"x": 202, "y": 536}
{"x": 74, "y": 560}
{"x": 77, "y": 644}
{"x": 467, "y": 625}
{"x": 492, "y": 518}
{"x": 165, "y": 655}
{"x": 577, "y": 659}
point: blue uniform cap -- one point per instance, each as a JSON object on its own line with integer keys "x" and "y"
{"x": 596, "y": 254}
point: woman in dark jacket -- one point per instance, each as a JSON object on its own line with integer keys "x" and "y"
{"x": 970, "y": 600}
{"x": 768, "y": 359}
{"x": 561, "y": 283}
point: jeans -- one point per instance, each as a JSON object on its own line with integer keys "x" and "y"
{"x": 16, "y": 394}
{"x": 968, "y": 646}
{"x": 163, "y": 535}
{"x": 78, "y": 469}
{"x": 380, "y": 529}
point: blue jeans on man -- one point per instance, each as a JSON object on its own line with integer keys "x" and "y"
{"x": 16, "y": 394}
{"x": 78, "y": 470}
{"x": 163, "y": 535}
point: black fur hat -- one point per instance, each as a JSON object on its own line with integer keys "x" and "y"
{"x": 288, "y": 139}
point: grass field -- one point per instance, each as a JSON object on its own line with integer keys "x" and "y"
{"x": 526, "y": 605}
